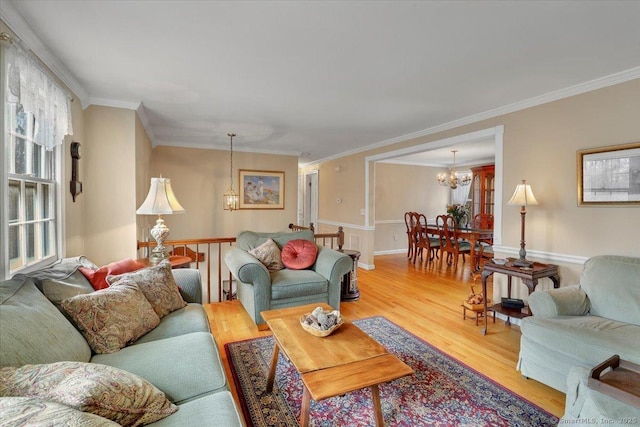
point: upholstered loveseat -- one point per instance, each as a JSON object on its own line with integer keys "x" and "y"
{"x": 260, "y": 289}
{"x": 178, "y": 357}
{"x": 583, "y": 325}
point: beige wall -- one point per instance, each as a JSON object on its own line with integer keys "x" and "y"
{"x": 540, "y": 144}
{"x": 399, "y": 189}
{"x": 110, "y": 184}
{"x": 199, "y": 178}
{"x": 74, "y": 211}
{"x": 143, "y": 178}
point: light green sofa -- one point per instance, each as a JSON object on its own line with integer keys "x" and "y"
{"x": 179, "y": 356}
{"x": 260, "y": 290}
{"x": 585, "y": 324}
{"x": 585, "y": 406}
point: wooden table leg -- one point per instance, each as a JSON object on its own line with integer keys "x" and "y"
{"x": 304, "y": 411}
{"x": 272, "y": 371}
{"x": 377, "y": 408}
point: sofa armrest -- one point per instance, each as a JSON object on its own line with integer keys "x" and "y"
{"x": 567, "y": 301}
{"x": 331, "y": 264}
{"x": 246, "y": 268}
{"x": 188, "y": 280}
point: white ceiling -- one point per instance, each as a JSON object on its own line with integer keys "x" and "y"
{"x": 321, "y": 78}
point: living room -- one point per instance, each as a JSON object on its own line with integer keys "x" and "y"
{"x": 537, "y": 137}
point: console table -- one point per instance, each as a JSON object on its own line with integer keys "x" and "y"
{"x": 177, "y": 261}
{"x": 529, "y": 276}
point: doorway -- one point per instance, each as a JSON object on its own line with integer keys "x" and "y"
{"x": 310, "y": 211}
{"x": 494, "y": 134}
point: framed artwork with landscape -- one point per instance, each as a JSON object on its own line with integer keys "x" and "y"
{"x": 261, "y": 189}
{"x": 609, "y": 175}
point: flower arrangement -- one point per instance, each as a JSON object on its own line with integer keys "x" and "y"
{"x": 458, "y": 212}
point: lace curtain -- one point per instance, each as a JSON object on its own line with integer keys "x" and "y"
{"x": 460, "y": 195}
{"x": 31, "y": 85}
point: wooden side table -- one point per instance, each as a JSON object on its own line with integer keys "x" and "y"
{"x": 350, "y": 290}
{"x": 529, "y": 277}
{"x": 176, "y": 261}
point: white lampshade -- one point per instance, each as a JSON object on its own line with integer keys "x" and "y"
{"x": 160, "y": 200}
{"x": 523, "y": 196}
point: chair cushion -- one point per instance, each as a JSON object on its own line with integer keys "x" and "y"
{"x": 296, "y": 283}
{"x": 57, "y": 290}
{"x": 183, "y": 367}
{"x": 219, "y": 408}
{"x": 299, "y": 254}
{"x": 32, "y": 330}
{"x": 191, "y": 318}
{"x": 612, "y": 284}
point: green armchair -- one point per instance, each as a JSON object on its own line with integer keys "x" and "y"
{"x": 259, "y": 290}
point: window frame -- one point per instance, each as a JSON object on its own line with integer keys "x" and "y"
{"x": 55, "y": 199}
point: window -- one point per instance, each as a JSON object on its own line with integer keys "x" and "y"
{"x": 35, "y": 119}
{"x": 31, "y": 218}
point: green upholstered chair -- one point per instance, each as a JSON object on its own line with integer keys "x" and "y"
{"x": 259, "y": 289}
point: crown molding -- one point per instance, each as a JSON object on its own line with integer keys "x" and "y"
{"x": 591, "y": 85}
{"x": 10, "y": 15}
{"x": 106, "y": 102}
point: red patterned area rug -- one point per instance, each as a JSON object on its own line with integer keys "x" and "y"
{"x": 442, "y": 392}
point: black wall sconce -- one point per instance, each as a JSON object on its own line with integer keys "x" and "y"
{"x": 76, "y": 186}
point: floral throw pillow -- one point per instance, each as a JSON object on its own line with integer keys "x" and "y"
{"x": 268, "y": 254}
{"x": 112, "y": 318}
{"x": 102, "y": 390}
{"x": 158, "y": 286}
{"x": 34, "y": 412}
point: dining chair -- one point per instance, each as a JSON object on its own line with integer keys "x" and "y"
{"x": 485, "y": 246}
{"x": 423, "y": 240}
{"x": 449, "y": 242}
{"x": 410, "y": 237}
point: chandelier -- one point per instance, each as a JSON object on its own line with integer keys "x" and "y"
{"x": 230, "y": 197}
{"x": 453, "y": 178}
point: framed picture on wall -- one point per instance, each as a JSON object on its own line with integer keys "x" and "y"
{"x": 609, "y": 175}
{"x": 261, "y": 189}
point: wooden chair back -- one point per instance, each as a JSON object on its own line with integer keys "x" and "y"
{"x": 421, "y": 236}
{"x": 449, "y": 242}
{"x": 410, "y": 236}
{"x": 483, "y": 220}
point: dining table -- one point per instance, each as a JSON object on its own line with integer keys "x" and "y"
{"x": 468, "y": 233}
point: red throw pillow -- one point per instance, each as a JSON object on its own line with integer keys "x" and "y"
{"x": 98, "y": 278}
{"x": 299, "y": 254}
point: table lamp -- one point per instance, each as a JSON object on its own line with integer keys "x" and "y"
{"x": 523, "y": 196}
{"x": 160, "y": 201}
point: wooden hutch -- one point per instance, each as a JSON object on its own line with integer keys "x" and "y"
{"x": 483, "y": 190}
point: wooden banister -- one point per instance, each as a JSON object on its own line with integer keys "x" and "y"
{"x": 295, "y": 227}
{"x": 334, "y": 239}
{"x": 200, "y": 251}
{"x": 192, "y": 249}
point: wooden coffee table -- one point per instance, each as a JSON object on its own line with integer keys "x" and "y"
{"x": 345, "y": 361}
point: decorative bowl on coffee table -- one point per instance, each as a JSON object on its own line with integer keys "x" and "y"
{"x": 309, "y": 324}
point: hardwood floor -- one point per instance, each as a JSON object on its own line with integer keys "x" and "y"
{"x": 426, "y": 300}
